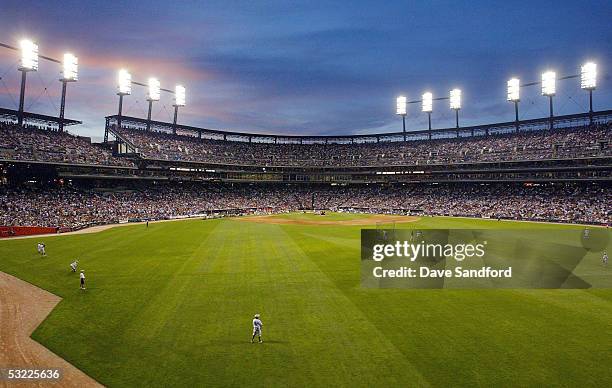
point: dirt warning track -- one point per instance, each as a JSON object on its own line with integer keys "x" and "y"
{"x": 373, "y": 220}
{"x": 22, "y": 308}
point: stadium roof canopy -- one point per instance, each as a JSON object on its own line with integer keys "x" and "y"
{"x": 476, "y": 130}
{"x": 34, "y": 118}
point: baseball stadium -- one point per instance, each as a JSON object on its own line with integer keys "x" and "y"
{"x": 155, "y": 250}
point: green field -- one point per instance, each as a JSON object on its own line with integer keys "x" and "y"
{"x": 171, "y": 305}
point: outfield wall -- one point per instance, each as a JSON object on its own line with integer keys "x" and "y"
{"x": 14, "y": 231}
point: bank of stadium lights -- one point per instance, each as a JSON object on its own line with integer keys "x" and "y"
{"x": 179, "y": 95}
{"x": 514, "y": 96}
{"x": 153, "y": 95}
{"x": 29, "y": 55}
{"x": 124, "y": 83}
{"x": 588, "y": 81}
{"x": 70, "y": 73}
{"x": 549, "y": 89}
{"x": 29, "y": 62}
{"x": 401, "y": 110}
{"x": 179, "y": 100}
{"x": 427, "y": 107}
{"x": 549, "y": 83}
{"x": 70, "y": 68}
{"x": 455, "y": 103}
{"x": 124, "y": 88}
{"x": 588, "y": 76}
{"x": 154, "y": 89}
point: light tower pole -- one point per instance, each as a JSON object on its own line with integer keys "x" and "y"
{"x": 29, "y": 62}
{"x": 154, "y": 95}
{"x": 588, "y": 81}
{"x": 552, "y": 114}
{"x": 514, "y": 96}
{"x": 549, "y": 86}
{"x": 69, "y": 74}
{"x": 124, "y": 88}
{"x": 179, "y": 100}
{"x": 149, "y": 114}
{"x": 401, "y": 110}
{"x": 455, "y": 104}
{"x": 427, "y": 107}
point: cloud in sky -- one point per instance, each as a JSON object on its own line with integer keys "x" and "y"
{"x": 308, "y": 67}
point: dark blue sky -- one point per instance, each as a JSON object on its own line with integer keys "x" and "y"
{"x": 309, "y": 67}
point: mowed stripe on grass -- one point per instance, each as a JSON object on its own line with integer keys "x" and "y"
{"x": 171, "y": 305}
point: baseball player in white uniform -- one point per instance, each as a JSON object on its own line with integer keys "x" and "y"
{"x": 257, "y": 324}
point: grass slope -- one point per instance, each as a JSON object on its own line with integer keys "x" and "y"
{"x": 171, "y": 306}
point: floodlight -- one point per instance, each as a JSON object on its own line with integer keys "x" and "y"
{"x": 549, "y": 83}
{"x": 455, "y": 99}
{"x": 514, "y": 90}
{"x": 154, "y": 87}
{"x": 588, "y": 76}
{"x": 71, "y": 67}
{"x": 125, "y": 82}
{"x": 401, "y": 105}
{"x": 179, "y": 95}
{"x": 427, "y": 102}
{"x": 29, "y": 55}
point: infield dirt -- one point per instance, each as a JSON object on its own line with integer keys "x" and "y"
{"x": 22, "y": 308}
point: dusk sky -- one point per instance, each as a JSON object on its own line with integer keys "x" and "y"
{"x": 308, "y": 67}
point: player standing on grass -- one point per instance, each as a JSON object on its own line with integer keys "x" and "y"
{"x": 604, "y": 259}
{"x": 257, "y": 324}
{"x": 82, "y": 276}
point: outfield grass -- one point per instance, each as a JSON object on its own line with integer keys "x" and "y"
{"x": 171, "y": 305}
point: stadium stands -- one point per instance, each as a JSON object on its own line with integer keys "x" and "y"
{"x": 535, "y": 145}
{"x": 535, "y": 186}
{"x": 76, "y": 206}
{"x": 39, "y": 145}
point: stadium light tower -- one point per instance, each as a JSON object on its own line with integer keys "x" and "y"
{"x": 179, "y": 100}
{"x": 401, "y": 111}
{"x": 455, "y": 104}
{"x": 588, "y": 81}
{"x": 549, "y": 88}
{"x": 124, "y": 88}
{"x": 427, "y": 101}
{"x": 70, "y": 73}
{"x": 29, "y": 62}
{"x": 154, "y": 95}
{"x": 514, "y": 95}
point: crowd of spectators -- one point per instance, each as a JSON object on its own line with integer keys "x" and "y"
{"x": 559, "y": 202}
{"x": 31, "y": 143}
{"x": 529, "y": 145}
{"x": 72, "y": 206}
